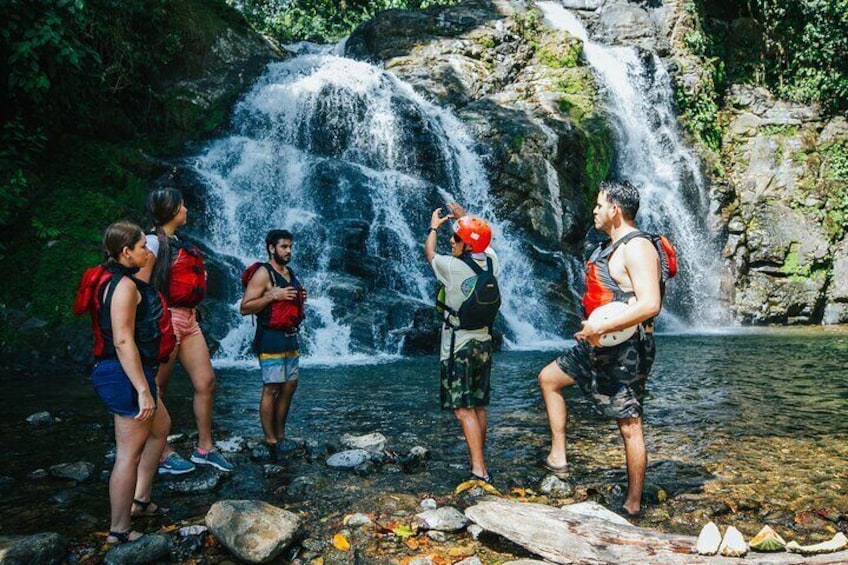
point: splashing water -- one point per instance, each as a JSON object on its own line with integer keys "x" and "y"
{"x": 352, "y": 161}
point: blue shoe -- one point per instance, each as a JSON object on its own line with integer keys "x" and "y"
{"x": 173, "y": 464}
{"x": 213, "y": 458}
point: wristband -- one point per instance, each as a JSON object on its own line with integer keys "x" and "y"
{"x": 431, "y": 228}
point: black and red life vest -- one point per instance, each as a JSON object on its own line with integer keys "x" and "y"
{"x": 285, "y": 315}
{"x": 602, "y": 289}
{"x": 154, "y": 335}
{"x": 187, "y": 283}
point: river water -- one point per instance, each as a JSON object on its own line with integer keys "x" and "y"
{"x": 746, "y": 427}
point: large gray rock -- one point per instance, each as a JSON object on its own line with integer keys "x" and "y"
{"x": 252, "y": 530}
{"x": 45, "y": 548}
{"x": 151, "y": 548}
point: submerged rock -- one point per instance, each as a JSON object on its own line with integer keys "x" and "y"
{"x": 197, "y": 482}
{"x": 252, "y": 530}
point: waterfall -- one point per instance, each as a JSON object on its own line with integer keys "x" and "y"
{"x": 650, "y": 153}
{"x": 353, "y": 161}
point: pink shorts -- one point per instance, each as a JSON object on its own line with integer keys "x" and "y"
{"x": 184, "y": 321}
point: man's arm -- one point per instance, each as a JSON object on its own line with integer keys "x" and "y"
{"x": 258, "y": 294}
{"x": 643, "y": 266}
{"x": 436, "y": 221}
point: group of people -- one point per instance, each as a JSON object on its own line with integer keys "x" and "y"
{"x": 143, "y": 299}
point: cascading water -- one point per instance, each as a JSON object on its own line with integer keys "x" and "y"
{"x": 650, "y": 153}
{"x": 352, "y": 161}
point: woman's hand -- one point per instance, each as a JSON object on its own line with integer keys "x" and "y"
{"x": 146, "y": 406}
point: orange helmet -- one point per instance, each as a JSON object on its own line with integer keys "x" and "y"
{"x": 474, "y": 231}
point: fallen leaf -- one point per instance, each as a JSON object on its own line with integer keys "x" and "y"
{"x": 317, "y": 561}
{"x": 167, "y": 529}
{"x": 340, "y": 542}
{"x": 662, "y": 496}
{"x": 403, "y": 531}
{"x": 412, "y": 543}
{"x": 462, "y": 487}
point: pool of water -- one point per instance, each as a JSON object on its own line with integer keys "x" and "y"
{"x": 747, "y": 424}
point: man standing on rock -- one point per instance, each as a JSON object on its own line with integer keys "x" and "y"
{"x": 470, "y": 304}
{"x": 276, "y": 296}
{"x": 626, "y": 269}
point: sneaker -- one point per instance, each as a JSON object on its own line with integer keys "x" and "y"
{"x": 173, "y": 464}
{"x": 213, "y": 458}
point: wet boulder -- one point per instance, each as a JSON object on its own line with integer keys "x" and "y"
{"x": 152, "y": 548}
{"x": 252, "y": 530}
{"x": 38, "y": 549}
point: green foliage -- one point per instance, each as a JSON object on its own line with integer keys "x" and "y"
{"x": 320, "y": 21}
{"x": 796, "y": 48}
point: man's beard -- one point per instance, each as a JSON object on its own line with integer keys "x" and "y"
{"x": 279, "y": 259}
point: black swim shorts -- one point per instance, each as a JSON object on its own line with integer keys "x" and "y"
{"x": 612, "y": 377}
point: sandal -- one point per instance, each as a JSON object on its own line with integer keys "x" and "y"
{"x": 145, "y": 510}
{"x": 122, "y": 537}
{"x": 487, "y": 478}
{"x": 558, "y": 470}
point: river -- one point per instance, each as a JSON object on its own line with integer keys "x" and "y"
{"x": 744, "y": 427}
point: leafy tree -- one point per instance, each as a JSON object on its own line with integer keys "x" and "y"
{"x": 318, "y": 20}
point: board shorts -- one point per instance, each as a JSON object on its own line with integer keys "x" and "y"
{"x": 613, "y": 378}
{"x": 468, "y": 386}
{"x": 278, "y": 368}
{"x": 115, "y": 388}
{"x": 184, "y": 322}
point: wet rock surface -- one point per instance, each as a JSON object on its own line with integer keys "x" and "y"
{"x": 37, "y": 549}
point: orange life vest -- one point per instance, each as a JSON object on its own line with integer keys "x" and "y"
{"x": 602, "y": 289}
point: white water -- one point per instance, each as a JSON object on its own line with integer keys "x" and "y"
{"x": 321, "y": 143}
{"x": 651, "y": 154}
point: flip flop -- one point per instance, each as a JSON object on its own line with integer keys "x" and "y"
{"x": 555, "y": 469}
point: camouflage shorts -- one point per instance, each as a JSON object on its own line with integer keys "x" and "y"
{"x": 613, "y": 378}
{"x": 468, "y": 386}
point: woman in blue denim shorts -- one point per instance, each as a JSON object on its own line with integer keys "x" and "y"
{"x": 132, "y": 334}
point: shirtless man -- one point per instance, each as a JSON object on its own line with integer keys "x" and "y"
{"x": 626, "y": 269}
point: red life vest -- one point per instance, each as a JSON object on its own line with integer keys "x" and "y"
{"x": 285, "y": 315}
{"x": 154, "y": 335}
{"x": 602, "y": 289}
{"x": 187, "y": 283}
